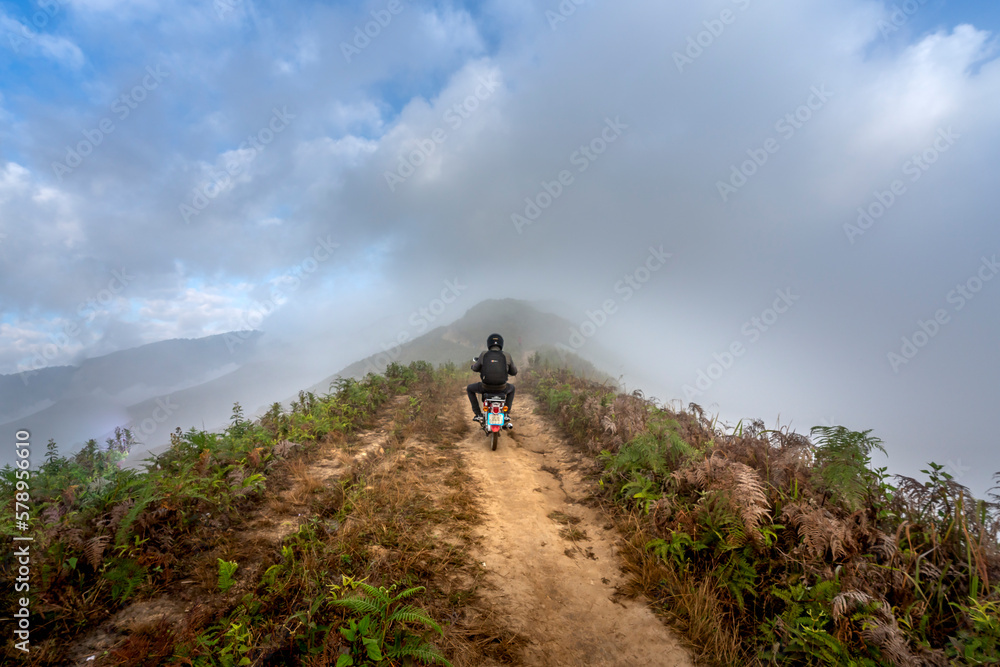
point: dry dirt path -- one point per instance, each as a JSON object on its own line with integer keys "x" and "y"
{"x": 555, "y": 590}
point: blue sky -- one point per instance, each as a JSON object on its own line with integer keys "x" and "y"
{"x": 205, "y": 222}
{"x": 935, "y": 15}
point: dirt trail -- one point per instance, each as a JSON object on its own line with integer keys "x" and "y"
{"x": 548, "y": 582}
{"x": 555, "y": 590}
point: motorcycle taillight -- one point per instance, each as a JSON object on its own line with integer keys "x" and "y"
{"x": 495, "y": 409}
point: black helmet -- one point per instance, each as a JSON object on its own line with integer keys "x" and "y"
{"x": 494, "y": 340}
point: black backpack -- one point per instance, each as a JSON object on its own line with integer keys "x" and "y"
{"x": 494, "y": 371}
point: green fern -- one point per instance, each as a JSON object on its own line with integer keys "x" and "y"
{"x": 147, "y": 496}
{"x": 359, "y": 605}
{"x": 125, "y": 576}
{"x": 379, "y": 617}
{"x": 226, "y": 571}
{"x": 422, "y": 652}
{"x": 411, "y": 614}
{"x": 642, "y": 490}
{"x": 676, "y": 550}
{"x": 843, "y": 458}
{"x": 738, "y": 575}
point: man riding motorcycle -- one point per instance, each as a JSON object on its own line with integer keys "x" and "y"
{"x": 493, "y": 366}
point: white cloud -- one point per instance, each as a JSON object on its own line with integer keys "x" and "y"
{"x": 440, "y": 130}
{"x": 451, "y": 28}
{"x": 323, "y": 160}
{"x": 922, "y": 88}
{"x": 45, "y": 212}
{"x": 192, "y": 312}
{"x": 13, "y": 181}
{"x": 344, "y": 115}
{"x": 306, "y": 53}
{"x": 22, "y": 39}
{"x": 325, "y": 176}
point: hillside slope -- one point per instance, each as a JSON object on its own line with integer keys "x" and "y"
{"x": 760, "y": 546}
{"x": 71, "y": 404}
{"x": 509, "y": 554}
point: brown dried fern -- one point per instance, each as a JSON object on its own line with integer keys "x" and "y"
{"x": 878, "y": 626}
{"x": 94, "y": 551}
{"x": 284, "y": 447}
{"x": 203, "y": 460}
{"x": 608, "y": 424}
{"x": 235, "y": 477}
{"x": 741, "y": 485}
{"x": 71, "y": 536}
{"x": 119, "y": 511}
{"x": 884, "y": 547}
{"x": 53, "y": 513}
{"x": 820, "y": 531}
{"x": 69, "y": 494}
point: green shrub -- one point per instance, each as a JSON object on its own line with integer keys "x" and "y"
{"x": 843, "y": 460}
{"x": 226, "y": 571}
{"x": 979, "y": 642}
{"x": 380, "y": 631}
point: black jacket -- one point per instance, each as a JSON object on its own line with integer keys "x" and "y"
{"x": 477, "y": 365}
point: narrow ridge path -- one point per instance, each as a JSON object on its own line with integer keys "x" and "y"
{"x": 552, "y": 562}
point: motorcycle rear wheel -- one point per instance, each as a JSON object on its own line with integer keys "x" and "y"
{"x": 494, "y": 439}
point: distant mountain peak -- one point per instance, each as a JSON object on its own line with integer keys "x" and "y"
{"x": 525, "y": 329}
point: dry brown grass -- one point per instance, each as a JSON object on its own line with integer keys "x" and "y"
{"x": 573, "y": 534}
{"x": 305, "y": 482}
{"x": 147, "y": 644}
{"x": 277, "y": 505}
{"x": 693, "y": 606}
{"x": 564, "y": 519}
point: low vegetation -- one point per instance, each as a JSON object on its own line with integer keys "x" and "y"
{"x": 769, "y": 547}
{"x": 183, "y": 565}
{"x": 338, "y": 532}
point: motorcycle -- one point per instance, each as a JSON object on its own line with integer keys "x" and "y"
{"x": 495, "y": 411}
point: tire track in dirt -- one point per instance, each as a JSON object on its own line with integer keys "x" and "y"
{"x": 555, "y": 590}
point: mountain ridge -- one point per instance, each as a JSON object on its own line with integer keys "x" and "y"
{"x": 525, "y": 329}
